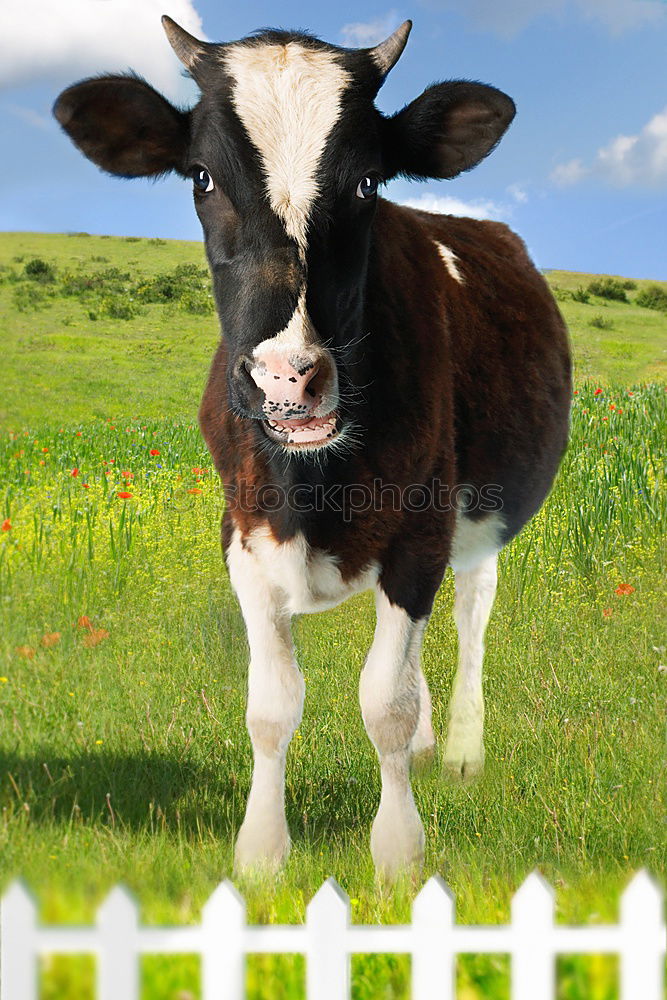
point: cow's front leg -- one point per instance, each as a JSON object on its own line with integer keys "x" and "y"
{"x": 389, "y": 696}
{"x": 275, "y": 704}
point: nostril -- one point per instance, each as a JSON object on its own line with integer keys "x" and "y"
{"x": 317, "y": 381}
{"x": 311, "y": 381}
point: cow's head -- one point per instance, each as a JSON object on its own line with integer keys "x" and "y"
{"x": 286, "y": 150}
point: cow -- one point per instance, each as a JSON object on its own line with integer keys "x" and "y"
{"x": 390, "y": 395}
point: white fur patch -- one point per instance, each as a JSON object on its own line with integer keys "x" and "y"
{"x": 307, "y": 579}
{"x": 451, "y": 262}
{"x": 475, "y": 541}
{"x": 289, "y": 99}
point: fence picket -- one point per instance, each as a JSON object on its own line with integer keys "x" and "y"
{"x": 223, "y": 953}
{"x": 433, "y": 968}
{"x": 328, "y": 961}
{"x": 18, "y": 966}
{"x": 533, "y": 973}
{"x": 223, "y": 939}
{"x": 643, "y": 944}
{"x": 118, "y": 966}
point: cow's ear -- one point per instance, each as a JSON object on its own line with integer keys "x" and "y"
{"x": 448, "y": 129}
{"x": 124, "y": 126}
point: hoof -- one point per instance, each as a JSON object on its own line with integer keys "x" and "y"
{"x": 261, "y": 851}
{"x": 461, "y": 765}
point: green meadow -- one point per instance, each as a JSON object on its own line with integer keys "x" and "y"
{"x": 123, "y": 750}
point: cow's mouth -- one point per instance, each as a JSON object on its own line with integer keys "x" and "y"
{"x": 307, "y": 432}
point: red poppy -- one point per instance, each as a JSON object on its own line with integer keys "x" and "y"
{"x": 124, "y": 495}
{"x": 78, "y": 434}
{"x": 154, "y": 451}
{"x": 194, "y": 490}
{"x": 607, "y": 612}
{"x": 624, "y": 589}
{"x": 598, "y": 392}
{"x": 127, "y": 474}
{"x": 611, "y": 406}
{"x": 83, "y": 621}
{"x": 45, "y": 450}
{"x": 620, "y": 410}
{"x": 6, "y": 525}
{"x": 74, "y": 472}
{"x": 85, "y": 486}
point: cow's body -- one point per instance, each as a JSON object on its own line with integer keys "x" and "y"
{"x": 391, "y": 394}
{"x": 486, "y": 346}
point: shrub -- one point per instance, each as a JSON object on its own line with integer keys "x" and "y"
{"x": 561, "y": 294}
{"x": 652, "y": 297}
{"x": 629, "y": 284}
{"x": 119, "y": 307}
{"x": 608, "y": 288}
{"x": 580, "y": 295}
{"x": 601, "y": 323}
{"x": 82, "y": 285}
{"x": 39, "y": 270}
{"x": 31, "y": 297}
{"x": 187, "y": 285}
{"x": 197, "y": 301}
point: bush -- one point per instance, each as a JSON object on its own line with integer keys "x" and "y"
{"x": 31, "y": 297}
{"x": 82, "y": 285}
{"x": 580, "y": 295}
{"x": 601, "y": 323}
{"x": 197, "y": 301}
{"x": 119, "y": 307}
{"x": 39, "y": 270}
{"x": 608, "y": 288}
{"x": 629, "y": 284}
{"x": 652, "y": 297}
{"x": 187, "y": 285}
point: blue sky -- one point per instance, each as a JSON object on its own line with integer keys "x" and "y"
{"x": 581, "y": 175}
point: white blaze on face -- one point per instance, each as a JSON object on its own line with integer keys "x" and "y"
{"x": 288, "y": 98}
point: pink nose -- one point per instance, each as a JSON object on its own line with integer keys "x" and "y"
{"x": 288, "y": 385}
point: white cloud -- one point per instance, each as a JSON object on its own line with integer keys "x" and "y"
{"x": 518, "y": 193}
{"x": 639, "y": 159}
{"x": 64, "y": 40}
{"x": 363, "y": 35}
{"x": 29, "y": 116}
{"x": 569, "y": 173}
{"x": 511, "y": 16}
{"x": 480, "y": 208}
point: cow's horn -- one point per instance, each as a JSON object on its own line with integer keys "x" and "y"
{"x": 387, "y": 53}
{"x": 188, "y": 48}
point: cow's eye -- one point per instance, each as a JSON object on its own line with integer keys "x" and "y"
{"x": 202, "y": 180}
{"x": 367, "y": 187}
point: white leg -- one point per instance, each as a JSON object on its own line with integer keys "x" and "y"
{"x": 275, "y": 704}
{"x": 389, "y": 696}
{"x": 475, "y": 593}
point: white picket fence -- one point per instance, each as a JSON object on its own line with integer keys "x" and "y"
{"x": 327, "y": 939}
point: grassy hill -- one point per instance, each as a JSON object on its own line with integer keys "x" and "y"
{"x": 125, "y": 327}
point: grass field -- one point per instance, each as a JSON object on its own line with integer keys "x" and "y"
{"x": 123, "y": 752}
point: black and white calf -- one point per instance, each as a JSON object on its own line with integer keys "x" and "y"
{"x": 371, "y": 351}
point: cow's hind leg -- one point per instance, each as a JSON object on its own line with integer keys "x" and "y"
{"x": 389, "y": 696}
{"x": 275, "y": 704}
{"x": 475, "y": 593}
